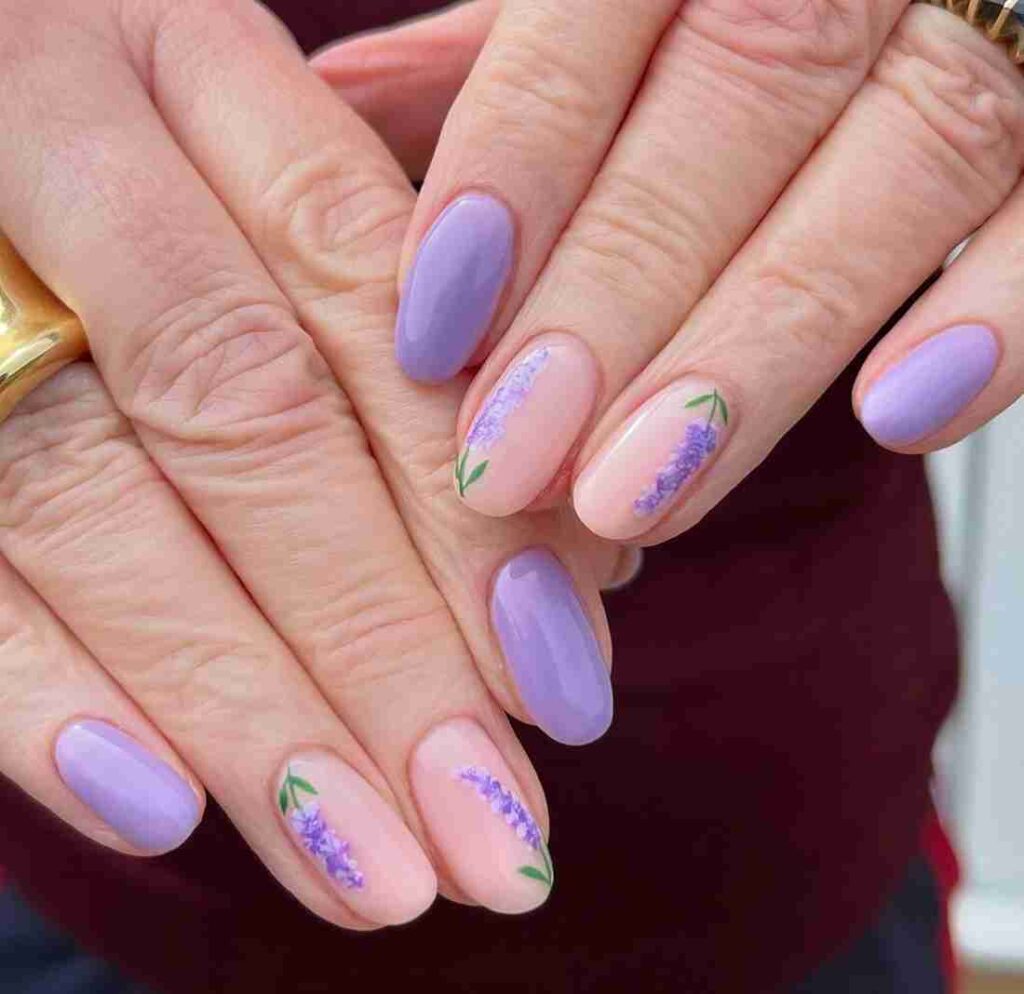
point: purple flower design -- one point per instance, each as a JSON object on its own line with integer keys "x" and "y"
{"x": 503, "y": 802}
{"x": 489, "y": 426}
{"x": 332, "y": 853}
{"x": 699, "y": 443}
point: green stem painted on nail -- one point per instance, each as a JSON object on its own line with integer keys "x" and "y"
{"x": 288, "y": 795}
{"x": 545, "y": 876}
{"x": 462, "y": 481}
{"x": 718, "y": 405}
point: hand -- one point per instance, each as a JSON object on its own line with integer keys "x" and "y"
{"x": 231, "y": 557}
{"x": 672, "y": 225}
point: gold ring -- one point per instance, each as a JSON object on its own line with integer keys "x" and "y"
{"x": 1001, "y": 20}
{"x": 38, "y": 334}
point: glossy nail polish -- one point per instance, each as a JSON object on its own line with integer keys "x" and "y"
{"x": 641, "y": 475}
{"x": 354, "y": 839}
{"x": 454, "y": 288}
{"x": 527, "y": 426}
{"x": 473, "y": 809}
{"x": 550, "y": 648}
{"x": 139, "y": 796}
{"x": 930, "y": 386}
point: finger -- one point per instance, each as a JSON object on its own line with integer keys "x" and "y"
{"x": 73, "y": 740}
{"x": 327, "y": 212}
{"x": 912, "y": 167}
{"x": 522, "y": 144}
{"x": 957, "y": 359}
{"x": 239, "y": 410}
{"x": 93, "y": 526}
{"x": 403, "y": 81}
{"x": 724, "y": 119}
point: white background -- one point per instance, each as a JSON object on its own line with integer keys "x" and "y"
{"x": 979, "y": 488}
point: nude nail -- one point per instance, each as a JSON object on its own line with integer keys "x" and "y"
{"x": 527, "y": 426}
{"x": 643, "y": 472}
{"x": 354, "y": 839}
{"x": 474, "y": 812}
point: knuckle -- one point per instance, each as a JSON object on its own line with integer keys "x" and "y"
{"x": 226, "y": 367}
{"x": 967, "y": 95}
{"x": 640, "y": 235}
{"x": 378, "y": 628}
{"x": 335, "y": 226}
{"x": 538, "y": 80}
{"x": 71, "y": 463}
{"x": 810, "y": 36}
{"x": 817, "y": 308}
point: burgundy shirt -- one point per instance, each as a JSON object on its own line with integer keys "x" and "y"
{"x": 781, "y": 673}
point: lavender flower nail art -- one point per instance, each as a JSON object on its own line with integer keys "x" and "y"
{"x": 699, "y": 443}
{"x": 489, "y": 426}
{"x": 318, "y": 839}
{"x": 504, "y": 803}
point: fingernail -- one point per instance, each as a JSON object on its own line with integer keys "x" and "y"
{"x": 643, "y": 471}
{"x": 929, "y": 387}
{"x": 551, "y": 649}
{"x": 527, "y": 426}
{"x": 354, "y": 839}
{"x": 473, "y": 809}
{"x": 138, "y": 795}
{"x": 454, "y": 288}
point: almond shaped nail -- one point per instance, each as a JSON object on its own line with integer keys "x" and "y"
{"x": 527, "y": 426}
{"x": 642, "y": 473}
{"x": 472, "y": 807}
{"x": 354, "y": 839}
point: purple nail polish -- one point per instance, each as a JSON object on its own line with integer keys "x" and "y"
{"x": 139, "y": 796}
{"x": 931, "y": 386}
{"x": 454, "y": 288}
{"x": 551, "y": 649}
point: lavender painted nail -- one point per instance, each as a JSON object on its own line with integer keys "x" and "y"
{"x": 551, "y": 648}
{"x": 139, "y": 796}
{"x": 930, "y": 386}
{"x": 453, "y": 290}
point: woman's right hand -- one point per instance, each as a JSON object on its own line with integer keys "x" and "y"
{"x": 231, "y": 554}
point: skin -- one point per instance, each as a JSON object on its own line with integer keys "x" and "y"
{"x": 749, "y": 189}
{"x": 232, "y": 537}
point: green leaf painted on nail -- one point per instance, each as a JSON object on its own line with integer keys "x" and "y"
{"x": 534, "y": 874}
{"x": 477, "y": 473}
{"x": 303, "y": 785}
{"x": 725, "y": 410}
{"x": 282, "y": 799}
{"x": 703, "y": 399}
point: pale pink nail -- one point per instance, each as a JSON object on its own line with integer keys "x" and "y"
{"x": 354, "y": 839}
{"x": 527, "y": 426}
{"x": 643, "y": 472}
{"x": 474, "y": 812}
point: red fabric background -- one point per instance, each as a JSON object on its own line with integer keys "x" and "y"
{"x": 781, "y": 673}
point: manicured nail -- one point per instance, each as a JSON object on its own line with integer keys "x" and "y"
{"x": 642, "y": 473}
{"x": 929, "y": 387}
{"x": 138, "y": 795}
{"x": 551, "y": 649}
{"x": 473, "y": 809}
{"x": 355, "y": 839}
{"x": 527, "y": 426}
{"x": 454, "y": 288}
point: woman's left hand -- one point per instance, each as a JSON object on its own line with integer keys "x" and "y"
{"x": 675, "y": 224}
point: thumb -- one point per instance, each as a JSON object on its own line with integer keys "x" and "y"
{"x": 403, "y": 80}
